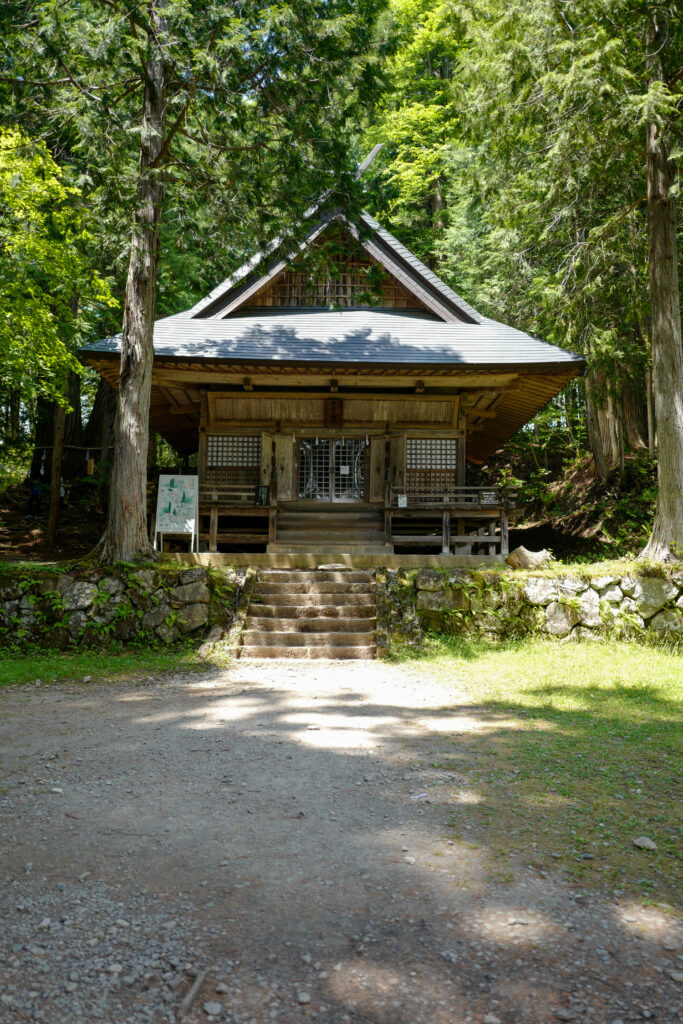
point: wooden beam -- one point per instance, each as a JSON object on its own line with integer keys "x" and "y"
{"x": 480, "y": 414}
{"x": 314, "y": 377}
{"x": 185, "y": 410}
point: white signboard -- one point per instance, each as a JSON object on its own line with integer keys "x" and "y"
{"x": 177, "y": 507}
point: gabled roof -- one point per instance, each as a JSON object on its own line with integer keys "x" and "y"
{"x": 379, "y": 244}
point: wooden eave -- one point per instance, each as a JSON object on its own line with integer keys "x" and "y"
{"x": 496, "y": 400}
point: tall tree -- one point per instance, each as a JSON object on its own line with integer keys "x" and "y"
{"x": 244, "y": 99}
{"x": 666, "y": 540}
{"x": 42, "y": 269}
{"x": 548, "y": 210}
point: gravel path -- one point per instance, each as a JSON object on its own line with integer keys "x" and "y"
{"x": 281, "y": 828}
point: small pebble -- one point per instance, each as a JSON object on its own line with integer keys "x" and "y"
{"x": 213, "y": 1009}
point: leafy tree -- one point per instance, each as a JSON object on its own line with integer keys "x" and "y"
{"x": 547, "y": 217}
{"x": 560, "y": 98}
{"x": 247, "y": 99}
{"x": 417, "y": 120}
{"x": 46, "y": 286}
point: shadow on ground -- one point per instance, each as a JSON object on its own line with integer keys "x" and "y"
{"x": 341, "y": 834}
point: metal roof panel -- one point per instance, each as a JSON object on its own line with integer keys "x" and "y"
{"x": 346, "y": 336}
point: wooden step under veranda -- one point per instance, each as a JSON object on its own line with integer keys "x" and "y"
{"x": 311, "y": 614}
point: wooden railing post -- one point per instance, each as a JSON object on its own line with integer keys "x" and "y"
{"x": 387, "y": 526}
{"x": 213, "y": 529}
{"x": 446, "y": 533}
{"x": 504, "y": 534}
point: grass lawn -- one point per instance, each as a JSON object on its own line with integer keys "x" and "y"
{"x": 580, "y": 752}
{"x": 72, "y": 666}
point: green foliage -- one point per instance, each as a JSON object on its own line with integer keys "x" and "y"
{"x": 259, "y": 104}
{"x": 130, "y": 663}
{"x": 416, "y": 119}
{"x": 44, "y": 275}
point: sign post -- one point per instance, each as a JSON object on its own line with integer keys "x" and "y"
{"x": 177, "y": 509}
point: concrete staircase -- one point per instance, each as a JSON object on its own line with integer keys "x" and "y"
{"x": 311, "y": 614}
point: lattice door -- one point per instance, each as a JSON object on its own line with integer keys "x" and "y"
{"x": 431, "y": 466}
{"x": 332, "y": 469}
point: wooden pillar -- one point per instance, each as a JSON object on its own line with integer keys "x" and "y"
{"x": 461, "y": 462}
{"x": 446, "y": 533}
{"x": 272, "y": 525}
{"x": 273, "y": 473}
{"x": 387, "y": 525}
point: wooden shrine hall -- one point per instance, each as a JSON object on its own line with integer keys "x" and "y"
{"x": 334, "y": 404}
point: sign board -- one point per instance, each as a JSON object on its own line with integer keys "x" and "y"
{"x": 177, "y": 510}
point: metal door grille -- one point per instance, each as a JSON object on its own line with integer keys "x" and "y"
{"x": 314, "y": 469}
{"x": 349, "y": 470}
{"x": 332, "y": 469}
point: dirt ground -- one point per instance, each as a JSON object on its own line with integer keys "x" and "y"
{"x": 276, "y": 835}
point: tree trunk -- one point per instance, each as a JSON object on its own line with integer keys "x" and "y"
{"x": 635, "y": 416}
{"x": 595, "y": 435}
{"x": 13, "y": 417}
{"x": 101, "y": 417}
{"x": 438, "y": 219}
{"x": 42, "y": 451}
{"x": 651, "y": 446}
{"x": 73, "y": 464}
{"x": 125, "y": 535}
{"x": 666, "y": 541}
{"x": 56, "y": 472}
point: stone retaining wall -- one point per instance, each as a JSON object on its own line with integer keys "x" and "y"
{"x": 158, "y": 603}
{"x": 513, "y": 603}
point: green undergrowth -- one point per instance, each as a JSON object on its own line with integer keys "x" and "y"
{"x": 575, "y": 753}
{"x": 116, "y": 665}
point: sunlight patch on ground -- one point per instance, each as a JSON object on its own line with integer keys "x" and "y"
{"x": 508, "y": 925}
{"x": 466, "y": 724}
{"x": 642, "y": 921}
{"x": 339, "y": 730}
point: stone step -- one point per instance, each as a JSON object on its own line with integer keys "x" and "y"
{"x": 271, "y": 609}
{"x": 261, "y": 588}
{"x": 314, "y": 576}
{"x": 262, "y": 638}
{"x": 330, "y": 653}
{"x": 287, "y": 597}
{"x": 320, "y": 624}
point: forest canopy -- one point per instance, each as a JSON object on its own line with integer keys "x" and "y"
{"x": 530, "y": 156}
